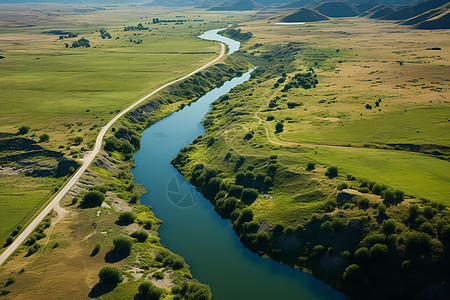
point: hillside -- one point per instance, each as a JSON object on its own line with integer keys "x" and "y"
{"x": 381, "y": 12}
{"x": 441, "y": 21}
{"x": 337, "y": 9}
{"x": 365, "y": 6}
{"x": 239, "y": 5}
{"x": 414, "y": 10}
{"x": 427, "y": 15}
{"x": 295, "y": 4}
{"x": 304, "y": 15}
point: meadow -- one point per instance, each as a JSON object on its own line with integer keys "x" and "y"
{"x": 70, "y": 92}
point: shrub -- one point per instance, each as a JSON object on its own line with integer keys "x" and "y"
{"x": 174, "y": 261}
{"x": 248, "y": 136}
{"x": 77, "y": 140}
{"x": 381, "y": 209}
{"x": 413, "y": 211}
{"x": 10, "y": 281}
{"x": 378, "y": 188}
{"x": 351, "y": 273}
{"x": 399, "y": 195}
{"x": 44, "y": 138}
{"x": 378, "y": 251}
{"x": 346, "y": 255}
{"x": 445, "y": 233}
{"x": 373, "y": 238}
{"x": 310, "y": 165}
{"x": 342, "y": 186}
{"x": 428, "y": 212}
{"x": 246, "y": 216}
{"x": 140, "y": 235}
{"x": 148, "y": 290}
{"x": 24, "y": 129}
{"x": 111, "y": 275}
{"x": 96, "y": 249}
{"x": 426, "y": 227}
{"x": 235, "y": 191}
{"x": 389, "y": 226}
{"x": 361, "y": 255}
{"x": 122, "y": 244}
{"x": 418, "y": 242}
{"x": 127, "y": 217}
{"x": 332, "y": 172}
{"x": 249, "y": 195}
{"x": 94, "y": 198}
{"x": 388, "y": 195}
{"x": 318, "y": 250}
{"x": 279, "y": 127}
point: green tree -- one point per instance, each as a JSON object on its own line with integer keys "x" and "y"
{"x": 140, "y": 235}
{"x": 44, "y": 138}
{"x": 127, "y": 217}
{"x": 351, "y": 273}
{"x": 122, "y": 244}
{"x": 111, "y": 275}
{"x": 389, "y": 226}
{"x": 361, "y": 255}
{"x": 149, "y": 291}
{"x": 332, "y": 172}
{"x": 249, "y": 195}
{"x": 378, "y": 251}
{"x": 418, "y": 242}
{"x": 24, "y": 129}
{"x": 279, "y": 127}
{"x": 93, "y": 198}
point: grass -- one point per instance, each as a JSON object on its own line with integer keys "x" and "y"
{"x": 68, "y": 92}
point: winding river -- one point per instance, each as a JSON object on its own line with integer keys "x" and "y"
{"x": 194, "y": 230}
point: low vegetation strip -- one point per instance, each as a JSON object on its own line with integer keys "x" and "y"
{"x": 88, "y": 160}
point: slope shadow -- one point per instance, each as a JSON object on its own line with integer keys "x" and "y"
{"x": 100, "y": 289}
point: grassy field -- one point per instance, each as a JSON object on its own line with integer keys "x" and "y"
{"x": 72, "y": 92}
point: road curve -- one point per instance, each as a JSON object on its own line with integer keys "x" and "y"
{"x": 87, "y": 161}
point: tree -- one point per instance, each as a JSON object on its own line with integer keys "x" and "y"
{"x": 127, "y": 217}
{"x": 94, "y": 198}
{"x": 388, "y": 196}
{"x": 310, "y": 165}
{"x": 378, "y": 251}
{"x": 149, "y": 291}
{"x": 332, "y": 172}
{"x": 140, "y": 235}
{"x": 249, "y": 195}
{"x": 246, "y": 216}
{"x": 122, "y": 245}
{"x": 351, "y": 273}
{"x": 381, "y": 209}
{"x": 279, "y": 127}
{"x": 24, "y": 129}
{"x": 361, "y": 255}
{"x": 389, "y": 226}
{"x": 418, "y": 242}
{"x": 44, "y": 138}
{"x": 110, "y": 275}
{"x": 77, "y": 140}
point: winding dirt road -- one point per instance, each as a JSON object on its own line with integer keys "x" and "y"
{"x": 87, "y": 160}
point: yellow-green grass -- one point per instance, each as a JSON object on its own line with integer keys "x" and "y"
{"x": 67, "y": 92}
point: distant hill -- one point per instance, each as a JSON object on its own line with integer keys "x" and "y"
{"x": 427, "y": 15}
{"x": 380, "y": 13}
{"x": 414, "y": 10}
{"x": 365, "y": 6}
{"x": 337, "y": 9}
{"x": 441, "y": 21}
{"x": 295, "y": 4}
{"x": 304, "y": 15}
{"x": 237, "y": 5}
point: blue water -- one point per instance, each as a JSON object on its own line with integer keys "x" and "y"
{"x": 194, "y": 230}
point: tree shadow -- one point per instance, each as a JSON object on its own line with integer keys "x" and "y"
{"x": 84, "y": 205}
{"x": 123, "y": 223}
{"x": 100, "y": 289}
{"x": 113, "y": 256}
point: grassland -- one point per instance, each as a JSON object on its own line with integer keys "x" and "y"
{"x": 72, "y": 92}
{"x": 378, "y": 112}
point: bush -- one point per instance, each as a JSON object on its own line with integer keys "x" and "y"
{"x": 174, "y": 261}
{"x": 127, "y": 217}
{"x": 246, "y": 216}
{"x": 351, "y": 273}
{"x": 310, "y": 165}
{"x": 44, "y": 138}
{"x": 378, "y": 251}
{"x": 279, "y": 127}
{"x": 332, "y": 172}
{"x": 24, "y": 129}
{"x": 428, "y": 212}
{"x": 373, "y": 238}
{"x": 378, "y": 188}
{"x": 361, "y": 255}
{"x": 445, "y": 233}
{"x": 426, "y": 228}
{"x": 389, "y": 196}
{"x": 110, "y": 275}
{"x": 10, "y": 281}
{"x": 318, "y": 250}
{"x": 77, "y": 140}
{"x": 248, "y": 136}
{"x": 96, "y": 249}
{"x": 95, "y": 198}
{"x": 122, "y": 245}
{"x": 140, "y": 235}
{"x": 148, "y": 290}
{"x": 389, "y": 226}
{"x": 235, "y": 191}
{"x": 346, "y": 255}
{"x": 413, "y": 211}
{"x": 418, "y": 242}
{"x": 381, "y": 209}
{"x": 399, "y": 195}
{"x": 249, "y": 195}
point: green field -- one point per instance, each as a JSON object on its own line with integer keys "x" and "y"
{"x": 72, "y": 92}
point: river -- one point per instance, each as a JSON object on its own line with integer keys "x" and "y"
{"x": 194, "y": 230}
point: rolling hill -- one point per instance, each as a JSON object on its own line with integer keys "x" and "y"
{"x": 414, "y": 10}
{"x": 239, "y": 5}
{"x": 304, "y": 15}
{"x": 337, "y": 9}
{"x": 379, "y": 13}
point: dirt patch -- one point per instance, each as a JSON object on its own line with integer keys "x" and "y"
{"x": 166, "y": 282}
{"x": 117, "y": 203}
